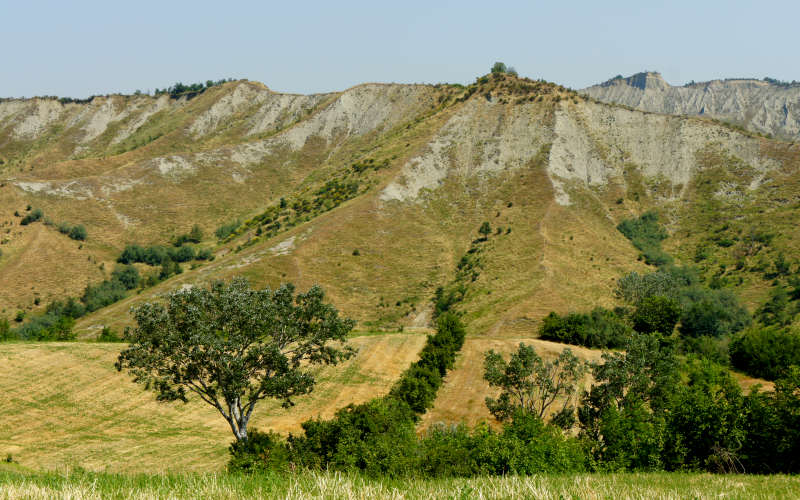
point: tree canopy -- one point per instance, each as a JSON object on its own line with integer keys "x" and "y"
{"x": 233, "y": 346}
{"x": 532, "y": 385}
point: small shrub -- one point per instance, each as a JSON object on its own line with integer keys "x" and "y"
{"x": 78, "y": 233}
{"x": 109, "y": 335}
{"x": 646, "y": 234}
{"x": 35, "y": 216}
{"x": 259, "y": 452}
{"x": 228, "y": 229}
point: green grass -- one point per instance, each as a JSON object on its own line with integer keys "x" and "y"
{"x": 18, "y": 483}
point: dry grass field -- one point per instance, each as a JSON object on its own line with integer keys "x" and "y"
{"x": 64, "y": 405}
{"x": 19, "y": 484}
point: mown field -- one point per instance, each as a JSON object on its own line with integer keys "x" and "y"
{"x": 64, "y": 405}
{"x": 16, "y": 483}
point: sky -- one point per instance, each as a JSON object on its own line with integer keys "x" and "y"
{"x": 80, "y": 48}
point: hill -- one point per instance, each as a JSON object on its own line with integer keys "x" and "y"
{"x": 763, "y": 106}
{"x": 376, "y": 193}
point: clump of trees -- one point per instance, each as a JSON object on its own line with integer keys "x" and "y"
{"x": 501, "y": 68}
{"x": 191, "y": 89}
{"x": 601, "y": 328}
{"x": 646, "y": 234}
{"x": 58, "y": 319}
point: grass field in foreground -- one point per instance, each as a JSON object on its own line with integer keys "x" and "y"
{"x": 64, "y": 405}
{"x": 16, "y": 483}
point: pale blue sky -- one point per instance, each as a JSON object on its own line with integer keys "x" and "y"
{"x": 78, "y": 48}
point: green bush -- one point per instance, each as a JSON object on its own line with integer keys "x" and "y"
{"x": 656, "y": 314}
{"x": 77, "y": 232}
{"x": 706, "y": 421}
{"x": 128, "y": 276}
{"x": 711, "y": 313}
{"x": 109, "y": 335}
{"x": 226, "y": 230}
{"x": 766, "y": 352}
{"x": 193, "y": 236}
{"x": 646, "y": 234}
{"x": 377, "y": 438}
{"x": 105, "y": 293}
{"x": 35, "y": 216}
{"x": 598, "y": 329}
{"x": 51, "y": 325}
{"x": 259, "y": 452}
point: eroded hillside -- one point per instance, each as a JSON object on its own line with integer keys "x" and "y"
{"x": 377, "y": 193}
{"x": 765, "y": 107}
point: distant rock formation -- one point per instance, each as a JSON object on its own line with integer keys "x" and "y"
{"x": 760, "y": 106}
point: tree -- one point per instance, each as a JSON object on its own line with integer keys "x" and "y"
{"x": 499, "y": 67}
{"x": 485, "y": 230}
{"x": 623, "y": 416}
{"x": 233, "y": 346}
{"x": 529, "y": 383}
{"x": 656, "y": 314}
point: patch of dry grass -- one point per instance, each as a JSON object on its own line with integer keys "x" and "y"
{"x": 64, "y": 404}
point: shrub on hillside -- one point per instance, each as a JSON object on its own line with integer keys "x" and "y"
{"x": 261, "y": 451}
{"x": 35, "y": 216}
{"x": 598, "y": 329}
{"x": 656, "y": 314}
{"x": 646, "y": 234}
{"x": 766, "y": 352}
{"x": 226, "y": 230}
{"x": 711, "y": 313}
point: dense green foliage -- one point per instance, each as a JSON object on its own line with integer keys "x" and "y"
{"x": 532, "y": 386}
{"x": 34, "y": 216}
{"x": 646, "y": 235}
{"x": 191, "y": 89}
{"x": 417, "y": 386}
{"x": 156, "y": 255}
{"x": 656, "y": 314}
{"x": 766, "y": 352}
{"x": 599, "y": 329}
{"x": 643, "y": 415}
{"x": 233, "y": 346}
{"x": 76, "y": 232}
{"x": 376, "y": 437}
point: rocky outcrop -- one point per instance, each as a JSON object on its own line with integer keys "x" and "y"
{"x": 757, "y": 105}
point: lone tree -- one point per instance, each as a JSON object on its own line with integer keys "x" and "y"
{"x": 485, "y": 230}
{"x": 233, "y": 346}
{"x": 532, "y": 385}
